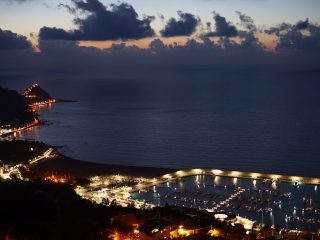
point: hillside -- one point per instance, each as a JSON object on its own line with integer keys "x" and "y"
{"x": 14, "y": 108}
{"x": 35, "y": 95}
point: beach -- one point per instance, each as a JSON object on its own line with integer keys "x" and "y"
{"x": 66, "y": 165}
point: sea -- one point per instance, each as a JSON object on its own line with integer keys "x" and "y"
{"x": 247, "y": 121}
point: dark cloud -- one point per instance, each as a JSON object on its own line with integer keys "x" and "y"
{"x": 184, "y": 26}
{"x": 295, "y": 39}
{"x": 247, "y": 22}
{"x": 93, "y": 6}
{"x": 285, "y": 27}
{"x": 70, "y": 9}
{"x": 278, "y": 29}
{"x": 47, "y": 33}
{"x": 298, "y": 49}
{"x": 157, "y": 45}
{"x": 250, "y": 41}
{"x": 68, "y": 60}
{"x": 301, "y": 36}
{"x": 10, "y": 41}
{"x": 101, "y": 23}
{"x": 223, "y": 28}
{"x": 301, "y": 25}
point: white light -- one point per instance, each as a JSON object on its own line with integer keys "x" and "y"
{"x": 235, "y": 180}
{"x": 220, "y": 216}
{"x": 216, "y": 171}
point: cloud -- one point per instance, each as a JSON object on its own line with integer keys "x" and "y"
{"x": 285, "y": 27}
{"x": 70, "y": 9}
{"x": 47, "y": 33}
{"x": 298, "y": 49}
{"x": 223, "y": 28}
{"x": 10, "y": 41}
{"x": 301, "y": 36}
{"x": 119, "y": 21}
{"x": 66, "y": 59}
{"x": 184, "y": 26}
{"x": 301, "y": 25}
{"x": 247, "y": 22}
{"x": 278, "y": 29}
{"x": 295, "y": 39}
{"x": 157, "y": 45}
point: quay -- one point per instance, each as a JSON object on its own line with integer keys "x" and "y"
{"x": 20, "y": 129}
{"x": 222, "y": 173}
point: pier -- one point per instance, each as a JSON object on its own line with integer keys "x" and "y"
{"x": 222, "y": 173}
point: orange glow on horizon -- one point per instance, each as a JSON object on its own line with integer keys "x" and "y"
{"x": 141, "y": 43}
{"x": 269, "y": 41}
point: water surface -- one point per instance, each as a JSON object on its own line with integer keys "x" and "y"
{"x": 256, "y": 122}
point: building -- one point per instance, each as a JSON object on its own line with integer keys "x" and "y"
{"x": 129, "y": 219}
{"x": 155, "y": 230}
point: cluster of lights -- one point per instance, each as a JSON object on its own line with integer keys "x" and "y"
{"x": 233, "y": 196}
{"x": 28, "y": 94}
{"x": 29, "y": 89}
{"x": 43, "y": 103}
{"x": 15, "y": 169}
{"x": 56, "y": 179}
{"x": 113, "y": 187}
{"x": 19, "y": 129}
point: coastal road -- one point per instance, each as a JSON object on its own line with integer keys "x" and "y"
{"x": 15, "y": 169}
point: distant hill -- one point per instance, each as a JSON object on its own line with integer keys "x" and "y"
{"x": 36, "y": 95}
{"x": 14, "y": 109}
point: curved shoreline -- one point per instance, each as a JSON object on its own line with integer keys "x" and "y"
{"x": 66, "y": 165}
{"x": 29, "y": 125}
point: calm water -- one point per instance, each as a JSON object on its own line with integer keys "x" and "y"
{"x": 282, "y": 204}
{"x": 256, "y": 122}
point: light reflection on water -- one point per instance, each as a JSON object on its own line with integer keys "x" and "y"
{"x": 280, "y": 203}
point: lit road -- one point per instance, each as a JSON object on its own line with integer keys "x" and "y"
{"x": 45, "y": 155}
{"x": 15, "y": 169}
{"x": 9, "y": 132}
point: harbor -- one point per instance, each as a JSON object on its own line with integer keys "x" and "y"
{"x": 290, "y": 202}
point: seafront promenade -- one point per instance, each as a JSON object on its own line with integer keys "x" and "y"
{"x": 222, "y": 173}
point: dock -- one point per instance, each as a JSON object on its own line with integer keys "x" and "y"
{"x": 222, "y": 173}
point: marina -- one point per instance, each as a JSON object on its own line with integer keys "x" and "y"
{"x": 279, "y": 202}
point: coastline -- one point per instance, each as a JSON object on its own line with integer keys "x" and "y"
{"x": 29, "y": 125}
{"x": 80, "y": 168}
{"x": 64, "y": 165}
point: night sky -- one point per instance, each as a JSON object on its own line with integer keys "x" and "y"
{"x": 38, "y": 37}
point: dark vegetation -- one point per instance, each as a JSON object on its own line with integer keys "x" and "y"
{"x": 19, "y": 151}
{"x": 14, "y": 109}
{"x": 43, "y": 210}
{"x": 38, "y": 210}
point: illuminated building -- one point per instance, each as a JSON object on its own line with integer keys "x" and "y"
{"x": 155, "y": 230}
